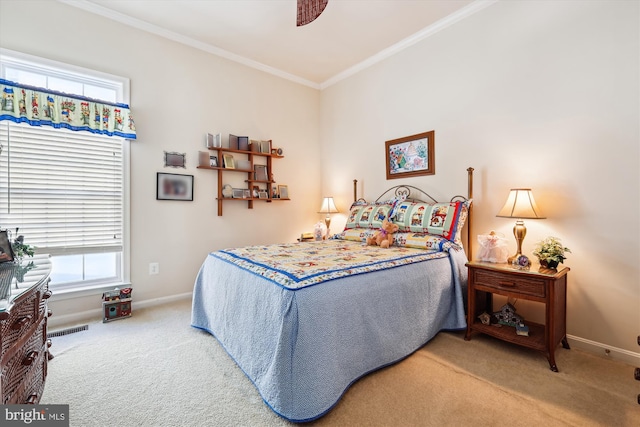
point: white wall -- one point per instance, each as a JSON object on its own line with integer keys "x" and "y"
{"x": 531, "y": 94}
{"x": 178, "y": 94}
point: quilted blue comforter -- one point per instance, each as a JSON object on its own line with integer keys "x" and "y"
{"x": 303, "y": 346}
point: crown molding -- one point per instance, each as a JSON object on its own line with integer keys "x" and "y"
{"x": 461, "y": 14}
{"x": 432, "y": 29}
{"x": 153, "y": 29}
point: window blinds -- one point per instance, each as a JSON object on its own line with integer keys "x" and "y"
{"x": 63, "y": 189}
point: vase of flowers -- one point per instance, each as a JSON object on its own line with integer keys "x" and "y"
{"x": 550, "y": 252}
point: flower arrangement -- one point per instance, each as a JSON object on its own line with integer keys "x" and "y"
{"x": 550, "y": 252}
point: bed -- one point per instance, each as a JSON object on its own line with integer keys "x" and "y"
{"x": 305, "y": 320}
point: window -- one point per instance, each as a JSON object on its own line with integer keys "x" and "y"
{"x": 64, "y": 189}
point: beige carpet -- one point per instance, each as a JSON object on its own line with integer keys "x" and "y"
{"x": 153, "y": 369}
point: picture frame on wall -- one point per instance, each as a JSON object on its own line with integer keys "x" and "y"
{"x": 171, "y": 186}
{"x": 411, "y": 156}
{"x": 175, "y": 160}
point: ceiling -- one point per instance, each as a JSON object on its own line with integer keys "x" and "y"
{"x": 348, "y": 36}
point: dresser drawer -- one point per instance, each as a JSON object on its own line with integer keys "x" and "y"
{"x": 510, "y": 283}
{"x": 23, "y": 316}
{"x": 23, "y": 365}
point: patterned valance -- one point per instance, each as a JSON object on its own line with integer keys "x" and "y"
{"x": 38, "y": 107}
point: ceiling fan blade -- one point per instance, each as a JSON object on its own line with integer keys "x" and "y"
{"x": 309, "y": 10}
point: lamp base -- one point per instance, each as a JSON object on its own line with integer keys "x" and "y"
{"x": 327, "y": 222}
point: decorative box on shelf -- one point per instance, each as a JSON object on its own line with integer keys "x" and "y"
{"x": 116, "y": 304}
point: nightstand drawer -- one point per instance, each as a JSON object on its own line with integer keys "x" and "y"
{"x": 508, "y": 282}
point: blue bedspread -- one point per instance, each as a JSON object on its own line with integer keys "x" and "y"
{"x": 302, "y": 348}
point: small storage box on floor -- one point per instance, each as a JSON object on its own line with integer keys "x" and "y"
{"x": 116, "y": 304}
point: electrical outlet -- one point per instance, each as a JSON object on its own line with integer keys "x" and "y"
{"x": 154, "y": 268}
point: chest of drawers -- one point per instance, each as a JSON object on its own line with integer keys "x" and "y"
{"x": 24, "y": 354}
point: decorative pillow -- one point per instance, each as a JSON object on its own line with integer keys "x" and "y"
{"x": 356, "y": 234}
{"x": 462, "y": 219}
{"x": 369, "y": 215}
{"x": 439, "y": 219}
{"x": 422, "y": 241}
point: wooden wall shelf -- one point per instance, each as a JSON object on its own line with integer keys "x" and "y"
{"x": 251, "y": 156}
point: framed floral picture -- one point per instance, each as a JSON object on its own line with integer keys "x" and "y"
{"x": 411, "y": 156}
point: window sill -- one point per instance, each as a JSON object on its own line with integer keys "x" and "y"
{"x": 62, "y": 294}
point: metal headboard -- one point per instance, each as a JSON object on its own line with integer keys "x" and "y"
{"x": 415, "y": 194}
{"x": 407, "y": 192}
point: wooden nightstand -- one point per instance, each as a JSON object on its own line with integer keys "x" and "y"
{"x": 545, "y": 286}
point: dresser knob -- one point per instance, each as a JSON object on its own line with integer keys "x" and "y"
{"x": 19, "y": 323}
{"x": 32, "y": 400}
{"x": 47, "y": 295}
{"x": 31, "y": 357}
{"x": 49, "y": 313}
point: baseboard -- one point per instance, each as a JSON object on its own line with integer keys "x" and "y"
{"x": 56, "y": 322}
{"x": 605, "y": 351}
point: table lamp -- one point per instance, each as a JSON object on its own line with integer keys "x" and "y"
{"x": 520, "y": 204}
{"x": 328, "y": 207}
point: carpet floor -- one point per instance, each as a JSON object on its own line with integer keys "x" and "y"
{"x": 154, "y": 369}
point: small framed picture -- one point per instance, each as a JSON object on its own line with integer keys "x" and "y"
{"x": 6, "y": 251}
{"x": 246, "y": 194}
{"x": 229, "y": 163}
{"x": 238, "y": 193}
{"x": 170, "y": 186}
{"x": 210, "y": 139}
{"x": 213, "y": 161}
{"x": 283, "y": 191}
{"x": 263, "y": 194}
{"x": 411, "y": 156}
{"x": 175, "y": 160}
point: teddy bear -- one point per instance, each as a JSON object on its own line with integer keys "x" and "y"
{"x": 384, "y": 236}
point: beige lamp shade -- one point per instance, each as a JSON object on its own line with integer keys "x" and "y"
{"x": 328, "y": 206}
{"x": 520, "y": 204}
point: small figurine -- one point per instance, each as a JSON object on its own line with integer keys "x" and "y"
{"x": 522, "y": 262}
